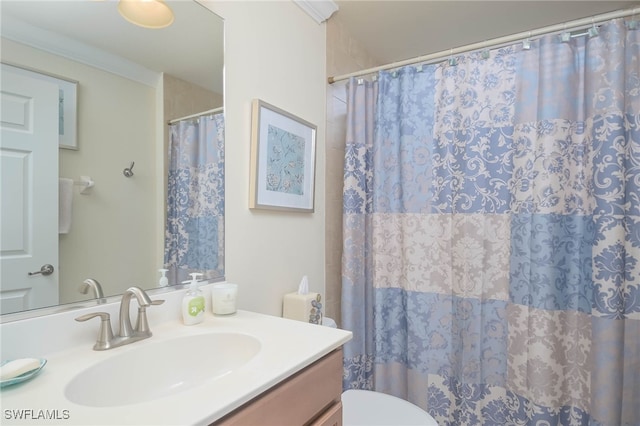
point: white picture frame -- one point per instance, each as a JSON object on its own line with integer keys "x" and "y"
{"x": 283, "y": 155}
{"x": 67, "y": 105}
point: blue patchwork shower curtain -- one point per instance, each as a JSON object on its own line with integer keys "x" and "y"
{"x": 491, "y": 257}
{"x": 194, "y": 236}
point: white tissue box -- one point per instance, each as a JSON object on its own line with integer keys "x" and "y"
{"x": 303, "y": 307}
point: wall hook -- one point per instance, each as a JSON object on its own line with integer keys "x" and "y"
{"x": 128, "y": 172}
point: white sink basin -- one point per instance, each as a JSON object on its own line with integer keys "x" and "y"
{"x": 156, "y": 370}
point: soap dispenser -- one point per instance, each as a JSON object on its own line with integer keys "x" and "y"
{"x": 193, "y": 303}
{"x": 164, "y": 281}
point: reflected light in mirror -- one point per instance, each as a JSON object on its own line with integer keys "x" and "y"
{"x": 146, "y": 13}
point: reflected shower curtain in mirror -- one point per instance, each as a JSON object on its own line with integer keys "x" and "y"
{"x": 194, "y": 236}
{"x": 491, "y": 263}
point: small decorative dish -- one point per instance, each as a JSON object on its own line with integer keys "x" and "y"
{"x": 23, "y": 377}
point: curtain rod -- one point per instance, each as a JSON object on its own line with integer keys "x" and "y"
{"x": 200, "y": 114}
{"x": 434, "y": 57}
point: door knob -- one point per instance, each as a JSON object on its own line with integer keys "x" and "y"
{"x": 45, "y": 270}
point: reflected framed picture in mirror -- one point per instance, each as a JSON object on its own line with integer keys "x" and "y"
{"x": 67, "y": 104}
{"x": 283, "y": 150}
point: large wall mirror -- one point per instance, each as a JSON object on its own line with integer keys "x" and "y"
{"x": 130, "y": 83}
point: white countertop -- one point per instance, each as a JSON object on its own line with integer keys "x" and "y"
{"x": 287, "y": 346}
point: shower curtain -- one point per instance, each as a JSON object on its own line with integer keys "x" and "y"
{"x": 194, "y": 236}
{"x": 491, "y": 256}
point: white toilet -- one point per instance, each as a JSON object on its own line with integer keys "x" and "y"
{"x": 367, "y": 408}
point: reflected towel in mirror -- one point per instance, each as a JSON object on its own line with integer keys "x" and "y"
{"x": 65, "y": 194}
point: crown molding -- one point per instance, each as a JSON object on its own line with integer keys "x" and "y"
{"x": 57, "y": 44}
{"x": 319, "y": 10}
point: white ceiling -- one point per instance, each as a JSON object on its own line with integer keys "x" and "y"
{"x": 395, "y": 30}
{"x": 190, "y": 49}
{"x": 390, "y": 30}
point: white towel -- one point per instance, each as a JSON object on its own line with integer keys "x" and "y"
{"x": 65, "y": 193}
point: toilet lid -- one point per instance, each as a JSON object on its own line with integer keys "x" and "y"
{"x": 367, "y": 408}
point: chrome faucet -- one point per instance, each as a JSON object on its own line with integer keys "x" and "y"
{"x": 95, "y": 286}
{"x": 143, "y": 302}
{"x": 127, "y": 334}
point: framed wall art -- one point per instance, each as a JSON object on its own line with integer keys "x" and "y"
{"x": 283, "y": 151}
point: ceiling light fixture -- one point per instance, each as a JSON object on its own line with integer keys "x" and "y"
{"x": 146, "y": 13}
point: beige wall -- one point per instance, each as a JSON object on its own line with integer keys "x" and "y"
{"x": 274, "y": 52}
{"x": 182, "y": 98}
{"x": 344, "y": 55}
{"x": 116, "y": 221}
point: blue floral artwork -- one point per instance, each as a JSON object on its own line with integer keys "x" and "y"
{"x": 285, "y": 161}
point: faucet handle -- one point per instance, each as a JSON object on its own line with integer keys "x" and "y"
{"x": 105, "y": 335}
{"x": 142, "y": 325}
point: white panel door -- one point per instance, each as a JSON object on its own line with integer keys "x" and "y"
{"x": 29, "y": 185}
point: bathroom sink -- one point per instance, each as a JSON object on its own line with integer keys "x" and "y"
{"x": 159, "y": 369}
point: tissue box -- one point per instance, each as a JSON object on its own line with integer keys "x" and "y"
{"x": 303, "y": 307}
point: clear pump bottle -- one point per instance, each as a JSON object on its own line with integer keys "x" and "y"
{"x": 193, "y": 304}
{"x": 164, "y": 281}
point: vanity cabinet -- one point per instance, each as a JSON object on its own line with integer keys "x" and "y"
{"x": 310, "y": 397}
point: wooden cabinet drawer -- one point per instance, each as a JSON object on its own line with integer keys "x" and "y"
{"x": 331, "y": 417}
{"x": 297, "y": 401}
